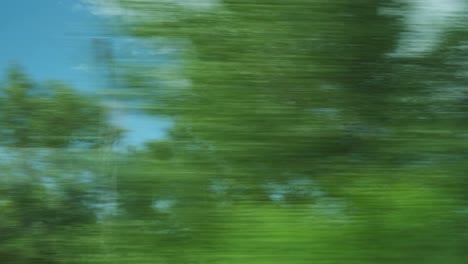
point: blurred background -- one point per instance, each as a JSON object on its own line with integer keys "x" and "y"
{"x": 228, "y": 131}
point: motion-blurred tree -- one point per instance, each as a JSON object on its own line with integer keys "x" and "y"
{"x": 297, "y": 105}
{"x": 50, "y": 115}
{"x": 48, "y": 135}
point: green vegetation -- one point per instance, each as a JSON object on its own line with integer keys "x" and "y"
{"x": 301, "y": 136}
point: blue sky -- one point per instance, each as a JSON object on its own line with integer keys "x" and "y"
{"x": 49, "y": 38}
{"x": 52, "y": 39}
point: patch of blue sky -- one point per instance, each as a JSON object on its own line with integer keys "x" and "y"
{"x": 53, "y": 39}
{"x": 143, "y": 127}
{"x": 49, "y": 39}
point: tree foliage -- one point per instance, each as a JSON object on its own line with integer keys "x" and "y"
{"x": 50, "y": 115}
{"x": 303, "y": 134}
{"x": 309, "y": 104}
{"x": 48, "y": 136}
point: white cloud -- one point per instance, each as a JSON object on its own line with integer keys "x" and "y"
{"x": 111, "y": 8}
{"x": 426, "y": 21}
{"x": 83, "y": 67}
{"x": 105, "y": 8}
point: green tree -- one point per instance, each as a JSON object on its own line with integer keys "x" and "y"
{"x": 48, "y": 115}
{"x": 51, "y": 141}
{"x": 298, "y": 105}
